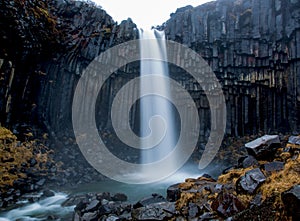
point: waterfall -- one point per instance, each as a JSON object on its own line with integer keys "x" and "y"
{"x": 155, "y": 106}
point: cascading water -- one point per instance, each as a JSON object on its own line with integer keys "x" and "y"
{"x": 40, "y": 210}
{"x": 156, "y": 105}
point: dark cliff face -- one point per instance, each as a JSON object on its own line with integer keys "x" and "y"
{"x": 253, "y": 48}
{"x": 45, "y": 47}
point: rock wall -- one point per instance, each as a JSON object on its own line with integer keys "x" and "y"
{"x": 251, "y": 45}
{"x": 253, "y": 48}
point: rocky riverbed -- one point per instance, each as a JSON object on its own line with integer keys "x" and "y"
{"x": 263, "y": 184}
{"x": 258, "y": 187}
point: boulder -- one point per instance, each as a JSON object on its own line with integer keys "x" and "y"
{"x": 263, "y": 147}
{"x": 273, "y": 167}
{"x": 173, "y": 193}
{"x": 227, "y": 204}
{"x": 247, "y": 161}
{"x": 155, "y": 198}
{"x": 155, "y": 211}
{"x": 48, "y": 193}
{"x": 119, "y": 197}
{"x": 291, "y": 200}
{"x": 250, "y": 181}
{"x": 93, "y": 206}
{"x": 294, "y": 140}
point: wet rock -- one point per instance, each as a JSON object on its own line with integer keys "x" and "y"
{"x": 208, "y": 216}
{"x": 155, "y": 198}
{"x": 227, "y": 204}
{"x": 291, "y": 200}
{"x": 173, "y": 192}
{"x": 119, "y": 197}
{"x": 247, "y": 161}
{"x": 193, "y": 210}
{"x": 90, "y": 216}
{"x": 273, "y": 167}
{"x": 156, "y": 211}
{"x": 251, "y": 181}
{"x": 93, "y": 206}
{"x": 41, "y": 182}
{"x": 47, "y": 193}
{"x": 263, "y": 147}
{"x": 257, "y": 200}
{"x": 294, "y": 140}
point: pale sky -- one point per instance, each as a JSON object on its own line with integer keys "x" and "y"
{"x": 144, "y": 13}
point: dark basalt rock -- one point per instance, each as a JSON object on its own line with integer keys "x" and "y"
{"x": 48, "y": 193}
{"x": 251, "y": 181}
{"x": 247, "y": 161}
{"x": 173, "y": 193}
{"x": 155, "y": 198}
{"x": 227, "y": 204}
{"x": 93, "y": 206}
{"x": 291, "y": 200}
{"x": 294, "y": 140}
{"x": 156, "y": 211}
{"x": 263, "y": 147}
{"x": 273, "y": 167}
{"x": 119, "y": 197}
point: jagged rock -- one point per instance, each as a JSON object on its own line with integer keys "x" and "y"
{"x": 273, "y": 167}
{"x": 90, "y": 216}
{"x": 227, "y": 204}
{"x": 257, "y": 200}
{"x": 47, "y": 193}
{"x": 294, "y": 140}
{"x": 251, "y": 181}
{"x": 173, "y": 192}
{"x": 93, "y": 206}
{"x": 119, "y": 197}
{"x": 156, "y": 211}
{"x": 247, "y": 161}
{"x": 291, "y": 200}
{"x": 263, "y": 147}
{"x": 193, "y": 210}
{"x": 155, "y": 198}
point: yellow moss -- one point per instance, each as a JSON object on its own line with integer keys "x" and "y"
{"x": 283, "y": 180}
{"x": 14, "y": 155}
{"x": 232, "y": 176}
{"x": 6, "y": 134}
{"x": 184, "y": 200}
{"x": 186, "y": 185}
{"x": 245, "y": 199}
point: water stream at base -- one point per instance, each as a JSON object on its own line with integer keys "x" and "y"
{"x": 52, "y": 206}
{"x": 40, "y": 210}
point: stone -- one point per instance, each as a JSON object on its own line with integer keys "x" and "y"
{"x": 227, "y": 204}
{"x": 291, "y": 201}
{"x": 48, "y": 193}
{"x": 257, "y": 200}
{"x": 193, "y": 210}
{"x": 250, "y": 181}
{"x": 90, "y": 216}
{"x": 119, "y": 197}
{"x": 93, "y": 206}
{"x": 155, "y": 198}
{"x": 294, "y": 140}
{"x": 155, "y": 211}
{"x": 208, "y": 216}
{"x": 173, "y": 192}
{"x": 247, "y": 161}
{"x": 41, "y": 182}
{"x": 263, "y": 147}
{"x": 273, "y": 167}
